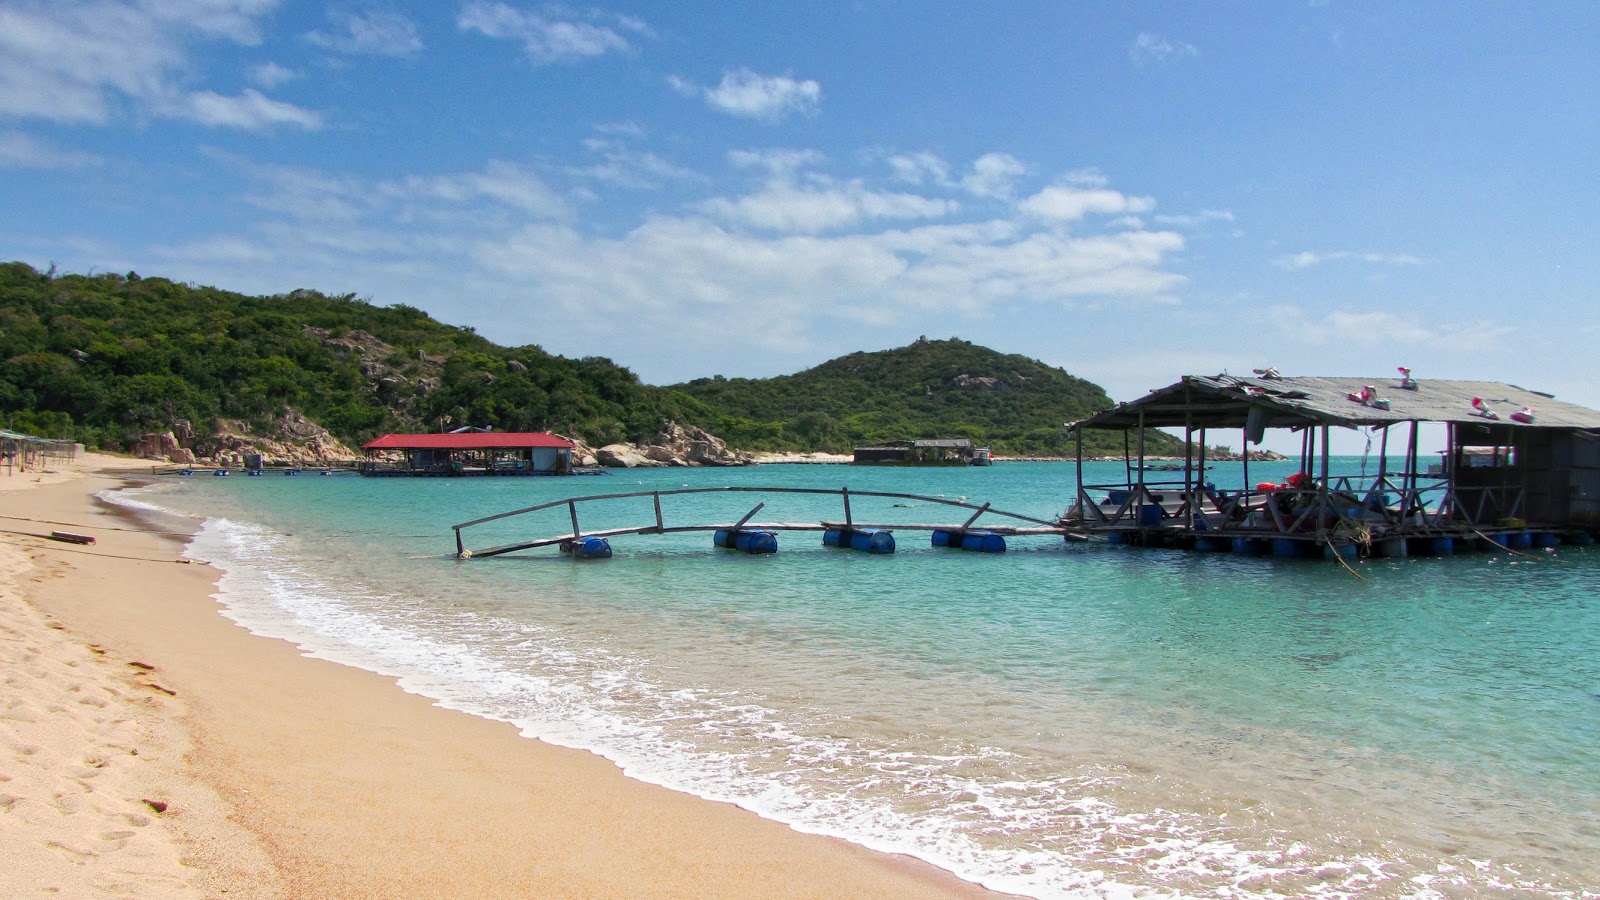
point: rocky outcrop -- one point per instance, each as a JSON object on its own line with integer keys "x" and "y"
{"x": 164, "y": 447}
{"x": 624, "y": 456}
{"x": 291, "y": 440}
{"x": 675, "y": 445}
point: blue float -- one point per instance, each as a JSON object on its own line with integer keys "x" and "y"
{"x": 748, "y": 541}
{"x": 976, "y": 541}
{"x": 983, "y": 542}
{"x": 1249, "y": 546}
{"x": 872, "y": 540}
{"x": 866, "y": 540}
{"x": 587, "y": 548}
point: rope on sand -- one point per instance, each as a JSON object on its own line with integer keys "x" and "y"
{"x": 52, "y": 546}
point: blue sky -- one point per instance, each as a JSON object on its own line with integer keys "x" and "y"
{"x": 1132, "y": 191}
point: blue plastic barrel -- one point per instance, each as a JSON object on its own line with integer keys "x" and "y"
{"x": 1519, "y": 540}
{"x": 983, "y": 542}
{"x": 1249, "y": 546}
{"x": 1286, "y": 547}
{"x": 947, "y": 537}
{"x": 1545, "y": 539}
{"x": 756, "y": 542}
{"x": 1442, "y": 546}
{"x": 587, "y": 548}
{"x": 1211, "y": 544}
{"x": 836, "y": 537}
{"x": 872, "y": 540}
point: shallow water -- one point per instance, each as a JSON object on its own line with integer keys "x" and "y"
{"x": 1058, "y": 720}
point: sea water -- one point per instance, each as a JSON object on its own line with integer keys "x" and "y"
{"x": 1060, "y": 720}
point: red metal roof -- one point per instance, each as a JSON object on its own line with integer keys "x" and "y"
{"x": 469, "y": 440}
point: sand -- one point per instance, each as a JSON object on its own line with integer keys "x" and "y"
{"x": 149, "y": 747}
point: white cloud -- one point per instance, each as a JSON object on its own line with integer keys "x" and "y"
{"x": 920, "y": 168}
{"x": 768, "y": 98}
{"x": 1154, "y": 48}
{"x": 623, "y": 163}
{"x": 311, "y": 198}
{"x": 1193, "y": 220}
{"x": 547, "y": 39}
{"x": 250, "y": 111}
{"x": 1062, "y": 203}
{"x": 376, "y": 32}
{"x": 994, "y": 175}
{"x": 808, "y": 256}
{"x": 1379, "y": 328}
{"x": 790, "y": 209}
{"x": 94, "y": 62}
{"x": 23, "y": 151}
{"x": 270, "y": 75}
{"x": 1307, "y": 259}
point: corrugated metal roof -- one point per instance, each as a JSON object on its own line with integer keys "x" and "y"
{"x": 1287, "y": 402}
{"x": 493, "y": 440}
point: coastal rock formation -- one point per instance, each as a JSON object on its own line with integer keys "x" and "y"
{"x": 624, "y": 456}
{"x": 675, "y": 445}
{"x": 693, "y": 446}
{"x": 291, "y": 440}
{"x": 162, "y": 446}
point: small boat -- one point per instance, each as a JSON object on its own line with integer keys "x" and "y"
{"x": 982, "y": 457}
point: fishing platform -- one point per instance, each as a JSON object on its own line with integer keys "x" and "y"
{"x": 754, "y": 537}
{"x": 1520, "y": 469}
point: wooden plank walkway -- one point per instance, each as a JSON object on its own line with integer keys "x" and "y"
{"x": 1031, "y": 526}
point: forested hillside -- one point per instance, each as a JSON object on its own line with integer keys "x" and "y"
{"x": 105, "y": 359}
{"x": 930, "y": 389}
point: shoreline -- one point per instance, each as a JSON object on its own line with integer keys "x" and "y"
{"x": 287, "y": 776}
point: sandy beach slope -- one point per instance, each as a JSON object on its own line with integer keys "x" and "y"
{"x": 150, "y": 748}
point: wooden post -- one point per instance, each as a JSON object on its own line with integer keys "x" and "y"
{"x": 1083, "y": 495}
{"x": 660, "y": 525}
{"x": 1188, "y": 458}
{"x": 1326, "y": 508}
{"x": 845, "y": 493}
{"x": 572, "y": 508}
{"x": 1244, "y": 451}
{"x": 1141, "y": 493}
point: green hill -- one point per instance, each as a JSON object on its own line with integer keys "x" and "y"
{"x": 105, "y": 359}
{"x": 930, "y": 389}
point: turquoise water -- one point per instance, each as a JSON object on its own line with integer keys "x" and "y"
{"x": 1057, "y": 721}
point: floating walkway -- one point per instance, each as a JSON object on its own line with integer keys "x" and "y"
{"x": 754, "y": 537}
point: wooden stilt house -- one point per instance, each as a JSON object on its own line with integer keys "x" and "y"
{"x": 1519, "y": 466}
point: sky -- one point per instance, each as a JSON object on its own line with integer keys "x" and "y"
{"x": 1130, "y": 191}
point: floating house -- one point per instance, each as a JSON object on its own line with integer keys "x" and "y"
{"x": 468, "y": 452}
{"x": 1520, "y": 468}
{"x": 931, "y": 452}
